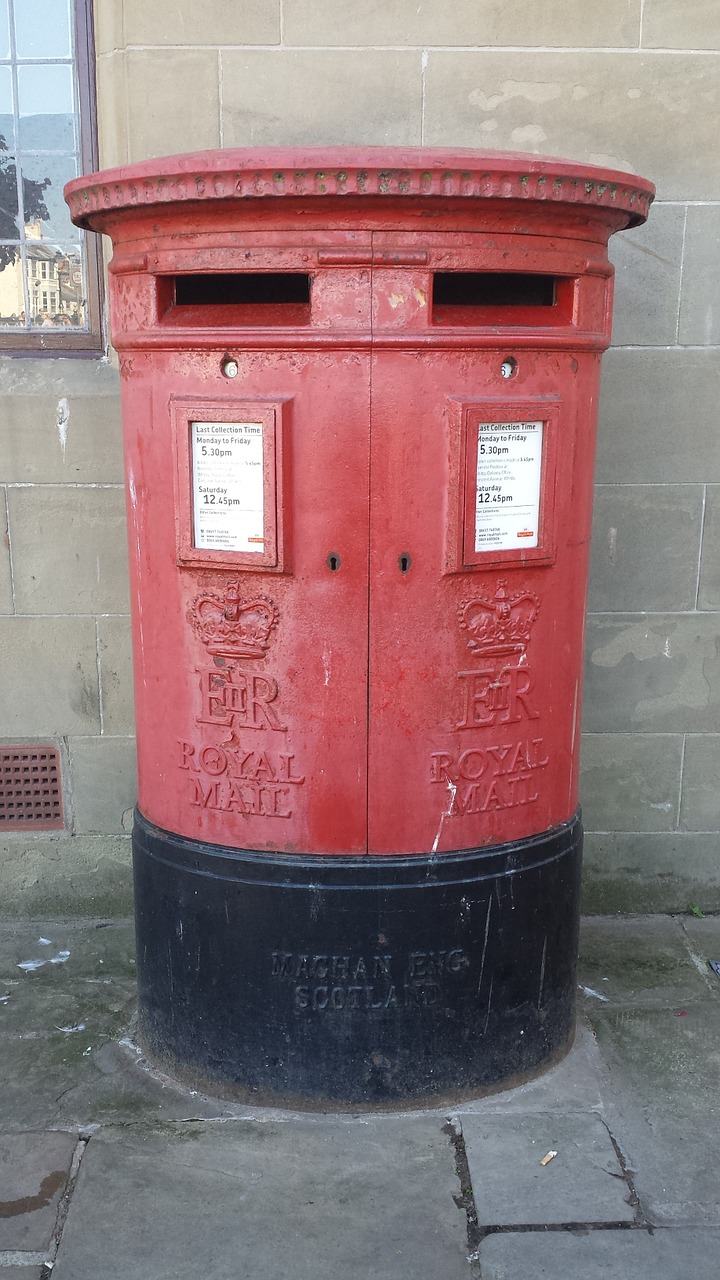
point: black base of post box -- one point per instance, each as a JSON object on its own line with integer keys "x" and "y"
{"x": 368, "y": 981}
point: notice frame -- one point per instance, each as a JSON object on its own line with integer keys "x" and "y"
{"x": 493, "y": 420}
{"x": 192, "y": 484}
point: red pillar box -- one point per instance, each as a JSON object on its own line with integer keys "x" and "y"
{"x": 359, "y": 397}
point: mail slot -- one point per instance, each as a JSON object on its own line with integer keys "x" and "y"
{"x": 359, "y": 399}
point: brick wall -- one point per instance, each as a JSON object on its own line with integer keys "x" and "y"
{"x": 627, "y": 83}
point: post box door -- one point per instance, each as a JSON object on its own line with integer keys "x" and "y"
{"x": 474, "y": 656}
{"x": 263, "y": 743}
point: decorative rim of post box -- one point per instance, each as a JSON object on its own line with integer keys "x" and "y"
{"x": 263, "y": 173}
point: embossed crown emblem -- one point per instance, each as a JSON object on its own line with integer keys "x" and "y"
{"x": 501, "y": 623}
{"x": 231, "y": 627}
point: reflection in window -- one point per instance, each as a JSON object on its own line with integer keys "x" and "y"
{"x": 46, "y": 279}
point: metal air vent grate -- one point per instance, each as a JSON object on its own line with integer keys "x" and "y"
{"x": 30, "y": 788}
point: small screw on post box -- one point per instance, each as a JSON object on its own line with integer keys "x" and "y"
{"x": 508, "y": 367}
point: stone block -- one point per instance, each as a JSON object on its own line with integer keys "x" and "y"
{"x": 582, "y": 1184}
{"x": 465, "y": 22}
{"x": 700, "y": 806}
{"x": 645, "y": 547}
{"x": 66, "y": 876}
{"x": 658, "y": 411}
{"x": 108, "y": 23}
{"x": 709, "y": 594}
{"x": 34, "y": 1169}
{"x": 104, "y": 783}
{"x": 699, "y": 309}
{"x": 6, "y": 593}
{"x": 654, "y": 115}
{"x": 23, "y": 376}
{"x": 172, "y": 101}
{"x": 116, "y": 675}
{"x": 111, "y": 114}
{"x": 69, "y": 549}
{"x": 652, "y": 674}
{"x": 693, "y": 25}
{"x": 311, "y": 97}
{"x": 50, "y": 682}
{"x": 650, "y": 871}
{"x": 647, "y": 279}
{"x": 61, "y": 439}
{"x": 630, "y": 781}
{"x": 214, "y": 22}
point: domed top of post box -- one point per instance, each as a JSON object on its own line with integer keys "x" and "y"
{"x": 369, "y": 174}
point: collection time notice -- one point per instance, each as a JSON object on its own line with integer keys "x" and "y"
{"x": 228, "y": 485}
{"x": 507, "y": 495}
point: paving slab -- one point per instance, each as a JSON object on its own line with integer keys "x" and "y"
{"x": 371, "y": 1196}
{"x": 61, "y": 1028}
{"x": 583, "y": 1182}
{"x": 578, "y": 1083}
{"x": 50, "y": 1082}
{"x": 597, "y": 1255}
{"x": 34, "y": 1170}
{"x": 65, "y": 980}
{"x": 702, "y": 936}
{"x": 643, "y": 962}
{"x": 96, "y": 948}
{"x": 665, "y": 1070}
{"x": 301, "y": 1200}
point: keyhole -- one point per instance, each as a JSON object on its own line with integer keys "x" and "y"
{"x": 404, "y": 562}
{"x": 333, "y": 562}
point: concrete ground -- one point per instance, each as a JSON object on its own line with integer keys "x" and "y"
{"x": 108, "y": 1169}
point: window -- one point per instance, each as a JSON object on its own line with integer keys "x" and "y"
{"x": 49, "y": 270}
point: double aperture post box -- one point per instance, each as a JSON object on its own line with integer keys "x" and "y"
{"x": 359, "y": 400}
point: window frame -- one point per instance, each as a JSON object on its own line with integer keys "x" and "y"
{"x": 89, "y": 341}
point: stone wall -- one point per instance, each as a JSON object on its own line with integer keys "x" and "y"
{"x": 626, "y": 83}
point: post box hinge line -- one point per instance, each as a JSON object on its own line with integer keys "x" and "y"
{"x": 369, "y": 572}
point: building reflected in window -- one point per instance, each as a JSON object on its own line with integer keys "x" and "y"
{"x": 55, "y": 290}
{"x": 49, "y": 281}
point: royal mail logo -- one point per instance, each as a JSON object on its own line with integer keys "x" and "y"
{"x": 231, "y": 627}
{"x": 500, "y": 623}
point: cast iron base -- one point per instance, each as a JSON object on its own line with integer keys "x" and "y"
{"x": 376, "y": 981}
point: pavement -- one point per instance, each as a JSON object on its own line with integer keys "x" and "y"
{"x": 109, "y": 1169}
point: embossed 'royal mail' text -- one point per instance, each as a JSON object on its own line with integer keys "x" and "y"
{"x": 234, "y": 780}
{"x": 498, "y": 776}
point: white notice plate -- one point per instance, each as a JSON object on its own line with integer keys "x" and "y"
{"x": 507, "y": 497}
{"x": 228, "y": 486}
